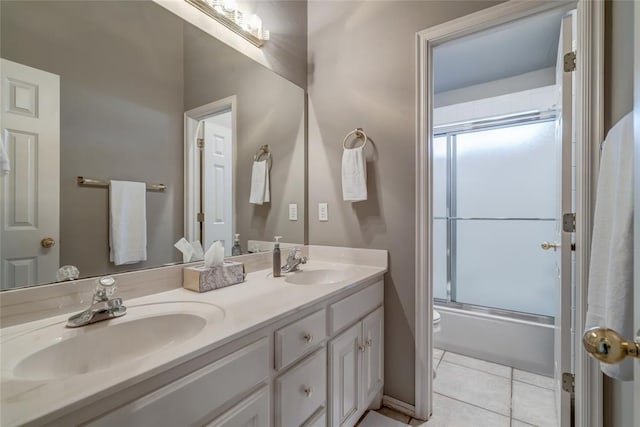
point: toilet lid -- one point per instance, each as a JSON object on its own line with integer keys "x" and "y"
{"x": 436, "y": 317}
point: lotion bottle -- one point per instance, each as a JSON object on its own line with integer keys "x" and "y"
{"x": 236, "y": 249}
{"x": 276, "y": 257}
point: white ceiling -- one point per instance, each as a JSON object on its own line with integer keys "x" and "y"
{"x": 507, "y": 50}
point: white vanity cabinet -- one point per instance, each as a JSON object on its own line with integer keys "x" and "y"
{"x": 356, "y": 360}
{"x": 320, "y": 366}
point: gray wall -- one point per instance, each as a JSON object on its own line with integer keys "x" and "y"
{"x": 362, "y": 74}
{"x": 286, "y": 51}
{"x": 270, "y": 111}
{"x": 102, "y": 59}
{"x": 618, "y": 396}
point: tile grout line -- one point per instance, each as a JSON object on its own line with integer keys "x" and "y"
{"x": 534, "y": 385}
{"x": 479, "y": 370}
{"x": 511, "y": 399}
{"x": 472, "y": 404}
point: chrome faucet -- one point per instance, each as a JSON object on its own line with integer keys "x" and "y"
{"x": 293, "y": 261}
{"x": 103, "y": 306}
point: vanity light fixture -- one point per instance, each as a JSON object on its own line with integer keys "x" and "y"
{"x": 227, "y": 13}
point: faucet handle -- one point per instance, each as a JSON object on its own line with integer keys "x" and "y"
{"x": 105, "y": 289}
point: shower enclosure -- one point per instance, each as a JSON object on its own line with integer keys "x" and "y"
{"x": 495, "y": 202}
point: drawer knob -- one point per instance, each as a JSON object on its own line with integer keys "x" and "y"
{"x": 308, "y": 391}
{"x": 307, "y": 337}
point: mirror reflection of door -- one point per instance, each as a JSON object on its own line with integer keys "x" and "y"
{"x": 30, "y": 179}
{"x": 218, "y": 181}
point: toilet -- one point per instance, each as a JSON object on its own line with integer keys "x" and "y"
{"x": 436, "y": 322}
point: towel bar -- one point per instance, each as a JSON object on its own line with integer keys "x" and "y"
{"x": 90, "y": 182}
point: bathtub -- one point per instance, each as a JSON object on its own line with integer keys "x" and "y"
{"x": 519, "y": 343}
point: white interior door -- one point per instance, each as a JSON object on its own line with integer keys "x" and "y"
{"x": 564, "y": 132}
{"x": 218, "y": 181}
{"x": 30, "y": 192}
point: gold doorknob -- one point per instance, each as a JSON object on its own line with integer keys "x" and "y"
{"x": 608, "y": 346}
{"x": 47, "y": 242}
{"x": 547, "y": 245}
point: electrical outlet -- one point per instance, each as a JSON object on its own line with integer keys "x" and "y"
{"x": 323, "y": 211}
{"x": 293, "y": 211}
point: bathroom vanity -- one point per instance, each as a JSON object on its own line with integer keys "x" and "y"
{"x": 305, "y": 349}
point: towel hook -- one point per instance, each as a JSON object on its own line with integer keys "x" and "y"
{"x": 359, "y": 133}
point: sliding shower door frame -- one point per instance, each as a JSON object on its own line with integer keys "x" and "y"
{"x": 450, "y": 133}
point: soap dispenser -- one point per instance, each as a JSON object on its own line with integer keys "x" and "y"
{"x": 276, "y": 257}
{"x": 236, "y": 249}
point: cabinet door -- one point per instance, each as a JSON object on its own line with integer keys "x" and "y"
{"x": 344, "y": 366}
{"x": 373, "y": 356}
{"x": 251, "y": 412}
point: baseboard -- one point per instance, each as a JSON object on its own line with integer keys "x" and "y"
{"x": 399, "y": 405}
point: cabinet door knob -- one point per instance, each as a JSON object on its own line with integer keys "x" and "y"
{"x": 307, "y": 337}
{"x": 308, "y": 391}
{"x": 47, "y": 242}
{"x": 362, "y": 348}
{"x": 369, "y": 343}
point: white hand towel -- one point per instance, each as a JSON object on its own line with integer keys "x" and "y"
{"x": 260, "y": 183}
{"x": 354, "y": 175}
{"x": 5, "y": 163}
{"x": 128, "y": 222}
{"x": 610, "y": 302}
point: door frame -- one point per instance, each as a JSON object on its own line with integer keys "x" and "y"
{"x": 636, "y": 224}
{"x": 589, "y": 132}
{"x": 191, "y": 163}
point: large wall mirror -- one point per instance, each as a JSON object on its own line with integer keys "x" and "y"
{"x": 116, "y": 90}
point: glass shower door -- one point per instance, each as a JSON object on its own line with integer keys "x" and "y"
{"x": 501, "y": 204}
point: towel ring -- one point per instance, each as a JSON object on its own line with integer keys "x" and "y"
{"x": 359, "y": 133}
{"x": 264, "y": 150}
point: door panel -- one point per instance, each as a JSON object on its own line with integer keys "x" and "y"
{"x": 30, "y": 208}
{"x": 218, "y": 185}
{"x": 373, "y": 356}
{"x": 345, "y": 374}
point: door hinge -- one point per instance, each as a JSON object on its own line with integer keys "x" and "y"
{"x": 569, "y": 222}
{"x": 568, "y": 382}
{"x": 201, "y": 143}
{"x": 201, "y": 217}
{"x": 569, "y": 62}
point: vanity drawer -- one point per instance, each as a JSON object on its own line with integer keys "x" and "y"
{"x": 299, "y": 338}
{"x": 302, "y": 391}
{"x": 191, "y": 399}
{"x": 355, "y": 307}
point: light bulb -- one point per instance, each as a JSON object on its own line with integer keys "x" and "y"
{"x": 255, "y": 25}
{"x": 229, "y": 5}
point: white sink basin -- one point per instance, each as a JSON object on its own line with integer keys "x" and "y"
{"x": 54, "y": 352}
{"x": 324, "y": 276}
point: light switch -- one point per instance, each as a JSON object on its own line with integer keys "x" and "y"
{"x": 293, "y": 211}
{"x": 323, "y": 211}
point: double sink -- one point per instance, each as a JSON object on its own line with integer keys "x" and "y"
{"x": 52, "y": 351}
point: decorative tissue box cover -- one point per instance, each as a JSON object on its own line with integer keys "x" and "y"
{"x": 203, "y": 279}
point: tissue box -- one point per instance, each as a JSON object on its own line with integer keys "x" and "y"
{"x": 203, "y": 279}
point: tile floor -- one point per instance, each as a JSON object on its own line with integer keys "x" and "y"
{"x": 472, "y": 392}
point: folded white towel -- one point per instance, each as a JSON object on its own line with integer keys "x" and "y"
{"x": 354, "y": 174}
{"x": 260, "y": 183}
{"x": 128, "y": 222}
{"x": 5, "y": 163}
{"x": 610, "y": 302}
